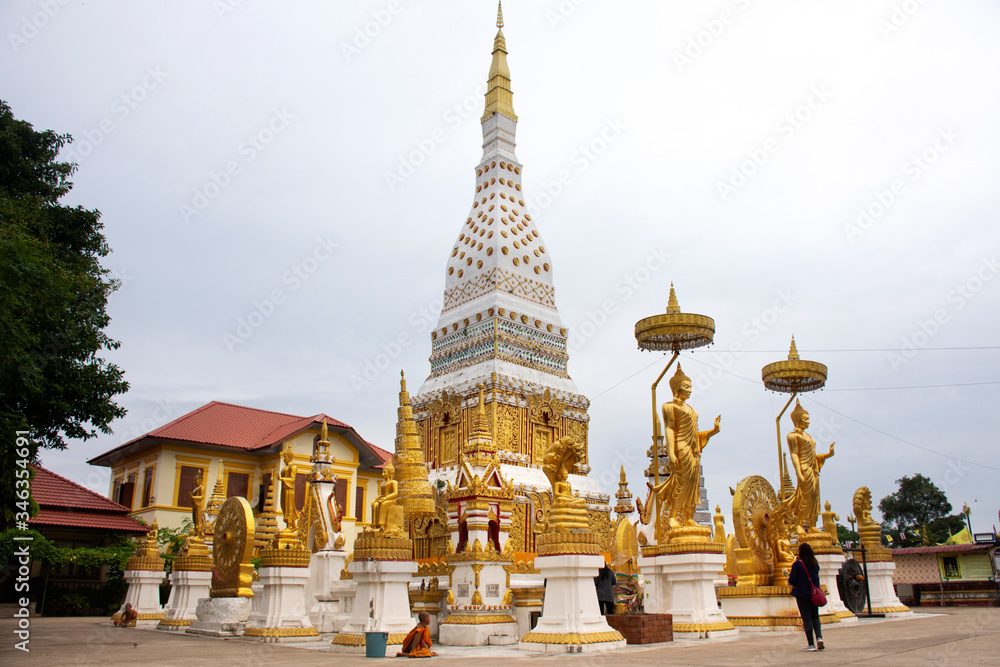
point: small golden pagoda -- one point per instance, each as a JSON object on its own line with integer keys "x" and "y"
{"x": 415, "y": 493}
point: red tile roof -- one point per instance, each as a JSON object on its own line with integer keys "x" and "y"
{"x": 60, "y": 517}
{"x": 65, "y": 503}
{"x": 239, "y": 427}
{"x": 941, "y": 548}
{"x": 236, "y": 426}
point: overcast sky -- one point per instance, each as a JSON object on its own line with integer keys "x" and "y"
{"x": 281, "y": 187}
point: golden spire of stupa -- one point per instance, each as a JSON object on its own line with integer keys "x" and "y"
{"x": 499, "y": 97}
{"x": 415, "y": 493}
{"x": 793, "y": 352}
{"x": 624, "y": 496}
{"x": 480, "y": 440}
{"x": 672, "y": 305}
{"x": 266, "y": 522}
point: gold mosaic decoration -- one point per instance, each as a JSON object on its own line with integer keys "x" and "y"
{"x": 572, "y": 637}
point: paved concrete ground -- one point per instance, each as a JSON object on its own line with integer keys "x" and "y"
{"x": 949, "y": 636}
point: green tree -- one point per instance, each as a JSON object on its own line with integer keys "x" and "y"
{"x": 917, "y": 502}
{"x": 54, "y": 386}
{"x": 845, "y": 534}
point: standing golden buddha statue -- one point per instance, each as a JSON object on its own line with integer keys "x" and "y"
{"x": 680, "y": 493}
{"x": 287, "y": 478}
{"x": 804, "y": 504}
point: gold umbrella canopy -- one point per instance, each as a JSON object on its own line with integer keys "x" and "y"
{"x": 674, "y": 330}
{"x": 794, "y": 375}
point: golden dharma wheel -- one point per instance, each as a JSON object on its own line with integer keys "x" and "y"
{"x": 753, "y": 504}
{"x": 232, "y": 542}
{"x": 794, "y": 374}
{"x": 674, "y": 331}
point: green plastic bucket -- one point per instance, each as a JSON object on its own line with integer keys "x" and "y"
{"x": 375, "y": 644}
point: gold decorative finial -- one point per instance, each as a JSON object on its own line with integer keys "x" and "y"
{"x": 482, "y": 411}
{"x": 324, "y": 433}
{"x": 499, "y": 98}
{"x": 623, "y": 474}
{"x": 402, "y": 381}
{"x": 793, "y": 352}
{"x": 672, "y": 305}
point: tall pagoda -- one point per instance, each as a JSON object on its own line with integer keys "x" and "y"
{"x": 500, "y": 328}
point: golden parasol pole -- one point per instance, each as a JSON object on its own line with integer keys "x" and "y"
{"x": 781, "y": 466}
{"x": 656, "y": 420}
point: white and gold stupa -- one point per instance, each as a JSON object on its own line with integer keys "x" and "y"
{"x": 500, "y": 327}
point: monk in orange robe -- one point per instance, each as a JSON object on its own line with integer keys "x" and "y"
{"x": 418, "y": 641}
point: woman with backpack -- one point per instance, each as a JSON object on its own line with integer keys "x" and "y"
{"x": 803, "y": 578}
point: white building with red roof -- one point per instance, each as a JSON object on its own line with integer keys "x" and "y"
{"x": 237, "y": 449}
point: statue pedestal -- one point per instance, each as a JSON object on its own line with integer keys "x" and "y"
{"x": 189, "y": 582}
{"x": 429, "y": 601}
{"x": 335, "y": 614}
{"x": 571, "y": 620}
{"x": 282, "y": 616}
{"x": 382, "y": 604}
{"x": 883, "y": 595}
{"x": 829, "y": 566}
{"x": 479, "y": 626}
{"x": 683, "y": 585}
{"x": 766, "y": 609}
{"x": 144, "y": 595}
{"x": 527, "y": 600}
{"x": 478, "y": 617}
{"x": 221, "y": 617}
{"x": 323, "y": 607}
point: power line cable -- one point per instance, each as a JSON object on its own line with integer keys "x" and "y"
{"x": 879, "y": 431}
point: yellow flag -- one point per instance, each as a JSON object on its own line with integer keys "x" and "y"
{"x": 961, "y": 537}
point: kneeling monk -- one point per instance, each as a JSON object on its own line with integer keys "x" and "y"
{"x": 418, "y": 641}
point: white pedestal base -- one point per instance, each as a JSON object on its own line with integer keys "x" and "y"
{"x": 772, "y": 610}
{"x": 684, "y": 585}
{"x": 382, "y": 604}
{"x": 883, "y": 595}
{"x": 829, "y": 566}
{"x": 331, "y": 615}
{"x": 322, "y": 605}
{"x": 571, "y": 620}
{"x": 282, "y": 616}
{"x": 487, "y": 634}
{"x": 186, "y": 588}
{"x": 144, "y": 596}
{"x": 221, "y": 617}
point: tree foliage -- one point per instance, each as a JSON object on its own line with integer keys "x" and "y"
{"x": 115, "y": 552}
{"x": 917, "y": 503}
{"x": 53, "y": 384}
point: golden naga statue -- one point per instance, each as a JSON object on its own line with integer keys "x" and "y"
{"x": 869, "y": 531}
{"x": 198, "y": 507}
{"x": 287, "y": 478}
{"x": 568, "y": 512}
{"x": 804, "y": 503}
{"x": 387, "y": 516}
{"x": 679, "y": 494}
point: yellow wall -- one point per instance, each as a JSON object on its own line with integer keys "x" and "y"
{"x": 168, "y": 459}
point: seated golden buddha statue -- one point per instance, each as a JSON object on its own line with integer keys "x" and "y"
{"x": 568, "y": 512}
